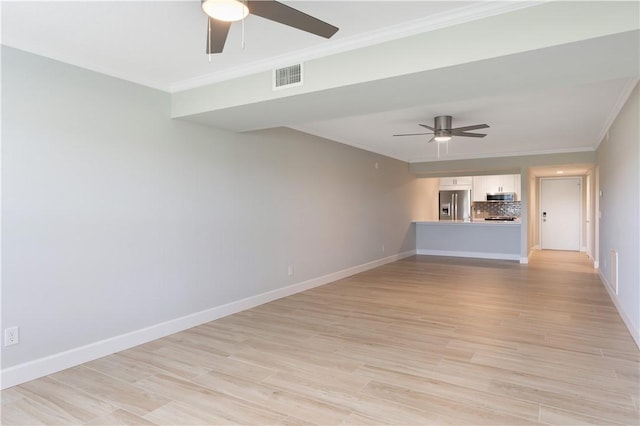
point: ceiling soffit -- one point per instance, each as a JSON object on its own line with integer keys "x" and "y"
{"x": 469, "y": 43}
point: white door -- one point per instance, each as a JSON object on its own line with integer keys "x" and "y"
{"x": 560, "y": 206}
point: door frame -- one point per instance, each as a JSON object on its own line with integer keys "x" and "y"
{"x": 581, "y": 209}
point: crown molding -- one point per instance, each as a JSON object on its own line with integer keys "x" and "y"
{"x": 625, "y": 93}
{"x": 498, "y": 155}
{"x": 418, "y": 26}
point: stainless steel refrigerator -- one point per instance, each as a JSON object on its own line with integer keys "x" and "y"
{"x": 455, "y": 205}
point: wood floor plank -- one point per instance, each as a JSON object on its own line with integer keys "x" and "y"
{"x": 117, "y": 392}
{"x": 123, "y": 368}
{"x": 26, "y": 411}
{"x": 151, "y": 358}
{"x": 10, "y": 395}
{"x": 385, "y": 411}
{"x": 555, "y": 416}
{"x": 197, "y": 399}
{"x": 600, "y": 392}
{"x": 283, "y": 402}
{"x": 65, "y": 400}
{"x": 120, "y": 417}
{"x": 469, "y": 396}
{"x": 424, "y": 340}
{"x": 589, "y": 407}
{"x": 441, "y": 410}
{"x": 178, "y": 413}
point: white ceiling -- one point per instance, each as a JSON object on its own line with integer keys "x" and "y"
{"x": 162, "y": 43}
{"x": 562, "y": 102}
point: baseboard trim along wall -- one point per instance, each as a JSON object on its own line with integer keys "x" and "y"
{"x": 635, "y": 334}
{"x": 478, "y": 255}
{"x": 57, "y": 362}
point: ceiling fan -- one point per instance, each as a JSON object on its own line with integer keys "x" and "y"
{"x": 222, "y": 13}
{"x": 442, "y": 130}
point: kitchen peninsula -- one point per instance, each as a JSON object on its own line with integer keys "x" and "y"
{"x": 476, "y": 238}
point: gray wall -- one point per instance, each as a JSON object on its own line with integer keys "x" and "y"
{"x": 116, "y": 217}
{"x": 618, "y": 159}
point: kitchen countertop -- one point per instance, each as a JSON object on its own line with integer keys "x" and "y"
{"x": 472, "y": 222}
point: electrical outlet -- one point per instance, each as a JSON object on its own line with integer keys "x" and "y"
{"x": 290, "y": 270}
{"x": 383, "y": 248}
{"x": 11, "y": 336}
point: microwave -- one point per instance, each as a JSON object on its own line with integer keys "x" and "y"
{"x": 501, "y": 196}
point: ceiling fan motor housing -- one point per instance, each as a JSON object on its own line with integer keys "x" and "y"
{"x": 442, "y": 126}
{"x": 442, "y": 122}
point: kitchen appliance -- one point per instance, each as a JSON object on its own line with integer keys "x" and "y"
{"x": 502, "y": 196}
{"x": 455, "y": 205}
{"x": 501, "y": 218}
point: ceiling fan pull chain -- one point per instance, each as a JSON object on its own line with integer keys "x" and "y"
{"x": 243, "y": 19}
{"x": 243, "y": 44}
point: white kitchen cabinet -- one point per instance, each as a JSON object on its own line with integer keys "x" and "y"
{"x": 516, "y": 186}
{"x": 479, "y": 189}
{"x": 453, "y": 183}
{"x": 495, "y": 183}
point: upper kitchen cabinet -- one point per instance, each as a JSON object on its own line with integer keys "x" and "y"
{"x": 455, "y": 183}
{"x": 495, "y": 183}
{"x": 479, "y": 191}
{"x": 516, "y": 186}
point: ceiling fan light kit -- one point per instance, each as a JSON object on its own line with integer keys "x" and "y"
{"x": 225, "y": 10}
{"x": 442, "y": 138}
{"x": 222, "y": 13}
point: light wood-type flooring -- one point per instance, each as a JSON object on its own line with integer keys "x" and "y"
{"x": 425, "y": 340}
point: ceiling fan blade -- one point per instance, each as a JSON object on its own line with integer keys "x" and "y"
{"x": 413, "y": 134}
{"x": 427, "y": 127}
{"x": 279, "y": 12}
{"x": 217, "y": 32}
{"x": 470, "y": 135}
{"x": 431, "y": 140}
{"x": 474, "y": 127}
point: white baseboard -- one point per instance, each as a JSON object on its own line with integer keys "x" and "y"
{"x": 478, "y": 255}
{"x": 635, "y": 334}
{"x": 41, "y": 367}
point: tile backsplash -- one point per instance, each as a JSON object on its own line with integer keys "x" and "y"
{"x": 482, "y": 209}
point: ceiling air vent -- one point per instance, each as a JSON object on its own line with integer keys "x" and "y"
{"x": 287, "y": 77}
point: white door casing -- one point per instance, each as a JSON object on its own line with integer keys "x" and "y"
{"x": 560, "y": 213}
